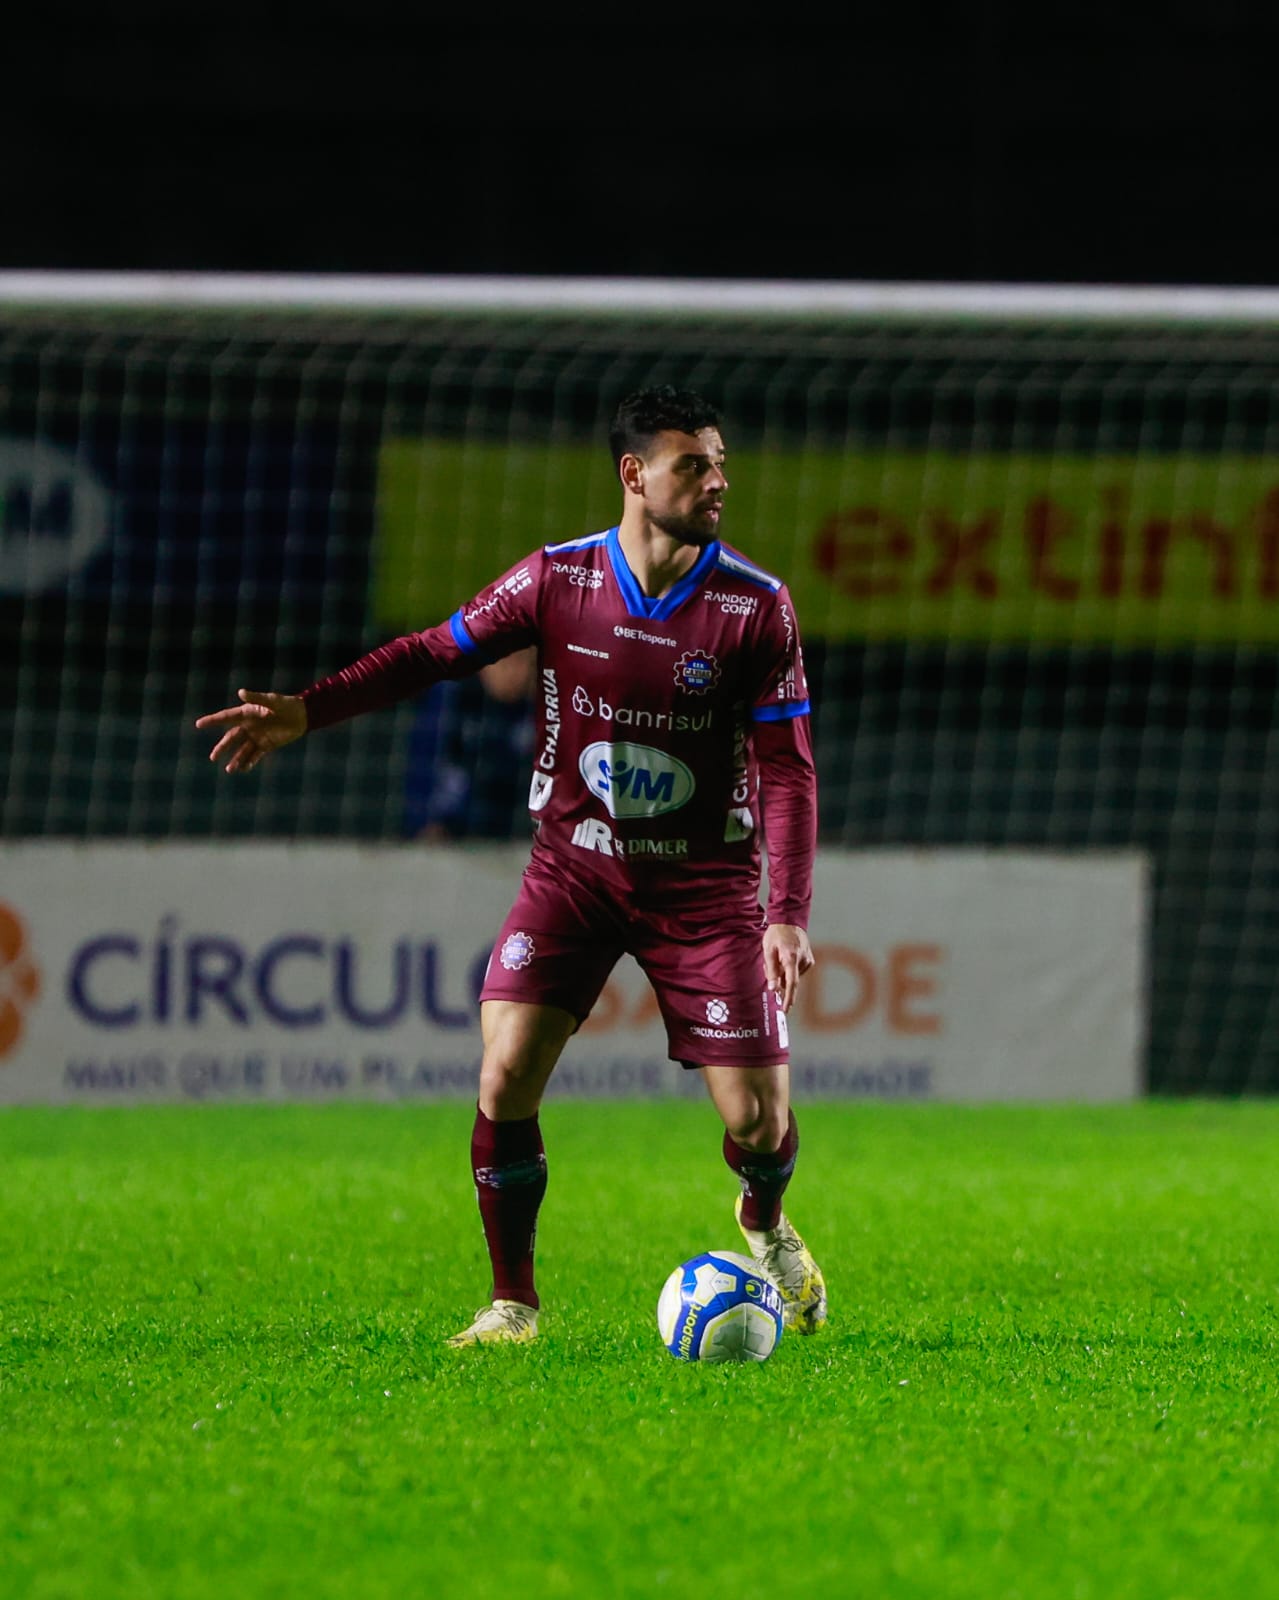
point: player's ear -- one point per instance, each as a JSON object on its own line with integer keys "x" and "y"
{"x": 631, "y": 471}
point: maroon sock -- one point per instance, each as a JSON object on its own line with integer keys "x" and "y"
{"x": 509, "y": 1163}
{"x": 763, "y": 1177}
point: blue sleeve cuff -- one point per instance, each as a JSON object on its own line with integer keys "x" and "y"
{"x": 461, "y": 637}
{"x": 783, "y": 713}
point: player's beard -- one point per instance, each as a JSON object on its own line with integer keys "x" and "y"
{"x": 696, "y": 528}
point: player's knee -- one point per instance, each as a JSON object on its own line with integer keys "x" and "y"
{"x": 503, "y": 1067}
{"x": 506, "y": 1091}
{"x": 760, "y": 1127}
{"x": 517, "y": 1062}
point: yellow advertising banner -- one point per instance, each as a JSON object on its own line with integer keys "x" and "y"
{"x": 1129, "y": 550}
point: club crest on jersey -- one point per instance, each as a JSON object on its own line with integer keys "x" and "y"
{"x": 517, "y": 952}
{"x": 696, "y": 672}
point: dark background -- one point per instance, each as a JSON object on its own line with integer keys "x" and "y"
{"x": 978, "y": 142}
{"x": 903, "y": 143}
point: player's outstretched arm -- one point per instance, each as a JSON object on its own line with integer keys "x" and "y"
{"x": 259, "y": 724}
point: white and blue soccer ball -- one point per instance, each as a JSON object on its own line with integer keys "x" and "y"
{"x": 719, "y": 1307}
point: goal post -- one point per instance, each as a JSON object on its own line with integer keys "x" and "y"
{"x": 1032, "y": 534}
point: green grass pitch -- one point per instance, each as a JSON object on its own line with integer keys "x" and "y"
{"x": 1051, "y": 1368}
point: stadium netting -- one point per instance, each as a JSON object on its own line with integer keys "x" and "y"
{"x": 1034, "y": 544}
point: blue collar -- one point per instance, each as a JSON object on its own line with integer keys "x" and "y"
{"x": 634, "y": 598}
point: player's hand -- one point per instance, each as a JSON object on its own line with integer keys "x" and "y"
{"x": 259, "y": 724}
{"x": 787, "y": 957}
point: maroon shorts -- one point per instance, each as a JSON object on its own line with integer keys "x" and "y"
{"x": 563, "y": 937}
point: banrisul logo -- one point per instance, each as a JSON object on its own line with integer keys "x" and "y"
{"x": 634, "y": 780}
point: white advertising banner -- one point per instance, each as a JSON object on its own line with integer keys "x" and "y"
{"x": 215, "y": 972}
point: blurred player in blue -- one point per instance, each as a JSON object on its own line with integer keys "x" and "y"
{"x": 469, "y": 751}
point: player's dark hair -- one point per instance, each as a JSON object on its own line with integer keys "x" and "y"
{"x": 648, "y": 412}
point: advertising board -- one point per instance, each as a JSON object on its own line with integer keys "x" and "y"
{"x": 882, "y": 544}
{"x": 172, "y": 972}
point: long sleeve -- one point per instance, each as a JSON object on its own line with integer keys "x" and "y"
{"x": 788, "y": 798}
{"x": 392, "y": 672}
{"x": 501, "y": 619}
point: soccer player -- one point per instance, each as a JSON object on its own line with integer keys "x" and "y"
{"x": 672, "y": 726}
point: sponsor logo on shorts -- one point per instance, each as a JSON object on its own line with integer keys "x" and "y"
{"x": 620, "y": 632}
{"x": 732, "y": 605}
{"x": 696, "y": 672}
{"x": 717, "y": 1015}
{"x": 636, "y": 717}
{"x": 581, "y": 577}
{"x": 517, "y": 952}
{"x": 773, "y": 1009}
{"x": 635, "y": 780}
{"x": 594, "y": 835}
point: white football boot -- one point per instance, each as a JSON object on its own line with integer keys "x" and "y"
{"x": 784, "y": 1258}
{"x": 504, "y": 1322}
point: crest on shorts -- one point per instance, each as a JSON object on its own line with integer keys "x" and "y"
{"x": 517, "y": 952}
{"x": 696, "y": 672}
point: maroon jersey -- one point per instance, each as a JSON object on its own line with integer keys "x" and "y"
{"x": 658, "y": 720}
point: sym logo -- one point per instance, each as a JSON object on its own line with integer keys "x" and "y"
{"x": 55, "y": 515}
{"x": 634, "y": 780}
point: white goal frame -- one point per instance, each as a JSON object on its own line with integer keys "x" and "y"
{"x": 303, "y": 292}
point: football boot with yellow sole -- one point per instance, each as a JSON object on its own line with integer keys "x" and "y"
{"x": 504, "y": 1322}
{"x": 783, "y": 1257}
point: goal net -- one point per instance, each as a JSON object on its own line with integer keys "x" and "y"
{"x": 1033, "y": 539}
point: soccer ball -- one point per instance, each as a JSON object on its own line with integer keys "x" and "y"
{"x": 719, "y": 1307}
